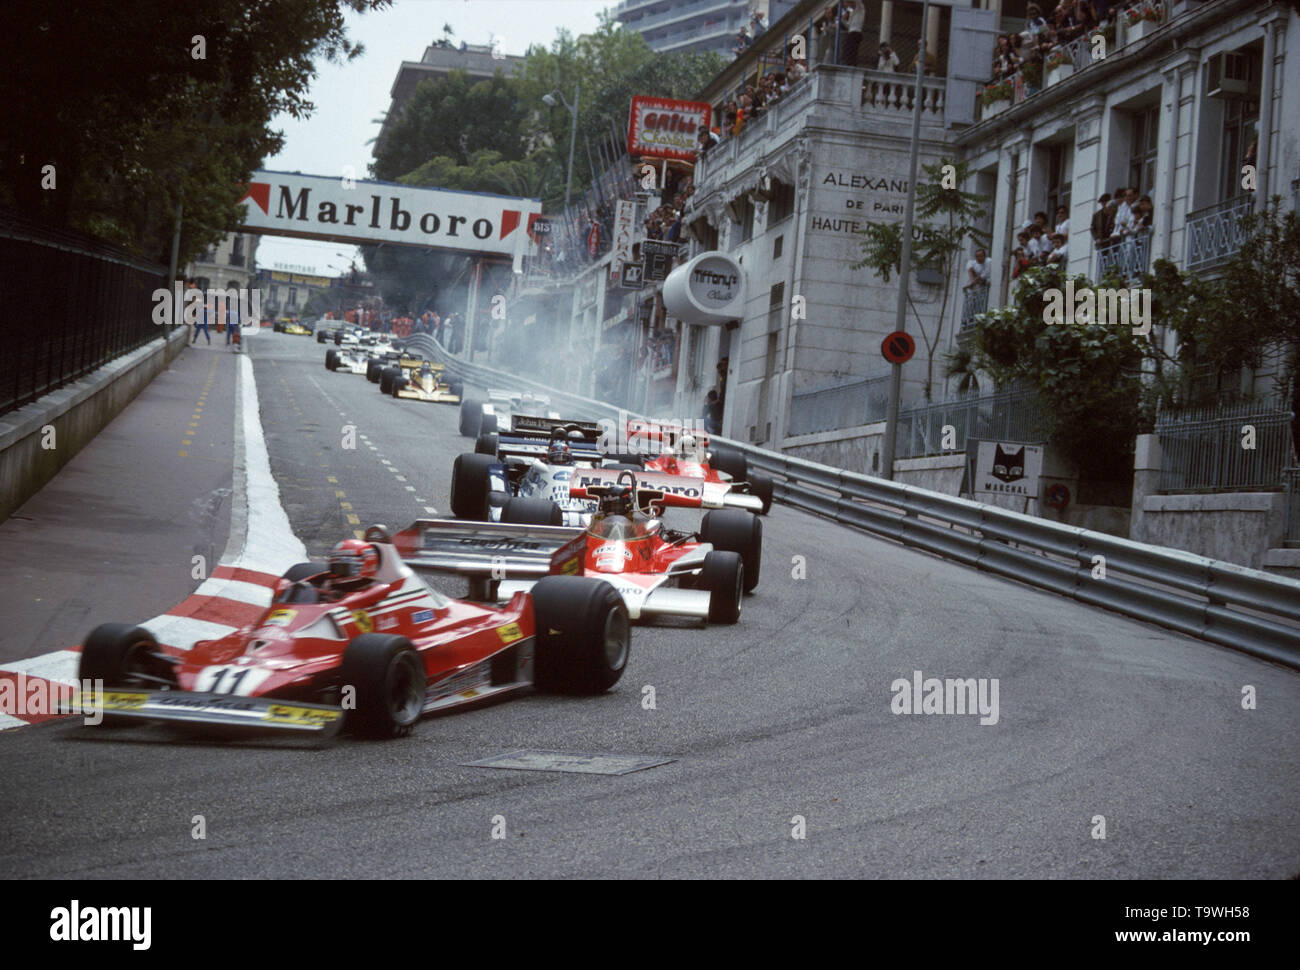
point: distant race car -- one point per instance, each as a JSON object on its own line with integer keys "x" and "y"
{"x": 363, "y": 641}
{"x": 291, "y": 326}
{"x": 658, "y": 571}
{"x": 424, "y": 381}
{"x": 534, "y": 462}
{"x": 498, "y": 411}
{"x": 673, "y": 449}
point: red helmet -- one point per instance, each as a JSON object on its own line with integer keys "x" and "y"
{"x": 352, "y": 558}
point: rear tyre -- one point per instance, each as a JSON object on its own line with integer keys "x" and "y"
{"x": 729, "y": 461}
{"x": 583, "y": 635}
{"x": 471, "y": 416}
{"x": 760, "y": 486}
{"x": 389, "y": 681}
{"x": 320, "y": 336}
{"x": 487, "y": 443}
{"x": 471, "y": 481}
{"x": 456, "y": 388}
{"x": 372, "y": 371}
{"x": 331, "y": 359}
{"x": 738, "y": 531}
{"x": 532, "y": 511}
{"x": 386, "y": 381}
{"x": 723, "y": 575}
{"x": 338, "y": 338}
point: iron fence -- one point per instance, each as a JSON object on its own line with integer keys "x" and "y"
{"x": 1130, "y": 257}
{"x": 1226, "y": 448}
{"x": 71, "y": 304}
{"x": 845, "y": 405}
{"x": 1215, "y": 233}
{"x": 1291, "y": 535}
{"x": 1009, "y": 415}
{"x": 974, "y": 302}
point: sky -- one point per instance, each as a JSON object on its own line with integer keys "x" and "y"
{"x": 349, "y": 96}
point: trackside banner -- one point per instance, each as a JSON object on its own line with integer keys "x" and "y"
{"x": 359, "y": 211}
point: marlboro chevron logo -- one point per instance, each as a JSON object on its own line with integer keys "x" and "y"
{"x": 353, "y": 210}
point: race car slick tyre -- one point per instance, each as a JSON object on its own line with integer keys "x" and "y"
{"x": 486, "y": 444}
{"x": 487, "y": 424}
{"x": 471, "y": 480}
{"x": 760, "y": 486}
{"x": 386, "y": 381}
{"x": 396, "y": 383}
{"x": 738, "y": 531}
{"x": 471, "y": 416}
{"x": 456, "y": 388}
{"x": 532, "y": 511}
{"x": 119, "y": 655}
{"x": 331, "y": 359}
{"x": 338, "y": 338}
{"x": 372, "y": 371}
{"x": 583, "y": 635}
{"x": 389, "y": 680}
{"x": 723, "y": 575}
{"x": 320, "y": 336}
{"x": 729, "y": 461}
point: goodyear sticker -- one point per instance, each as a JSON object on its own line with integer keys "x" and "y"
{"x": 510, "y": 633}
{"x": 570, "y": 567}
{"x": 280, "y": 618}
{"x": 362, "y": 619}
{"x": 122, "y": 700}
{"x": 307, "y": 716}
{"x": 422, "y": 616}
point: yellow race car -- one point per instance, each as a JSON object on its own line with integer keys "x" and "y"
{"x": 424, "y": 381}
{"x": 291, "y": 326}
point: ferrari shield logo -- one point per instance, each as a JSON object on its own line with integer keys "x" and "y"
{"x": 363, "y": 620}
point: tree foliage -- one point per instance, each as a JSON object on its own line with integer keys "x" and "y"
{"x": 134, "y": 123}
{"x": 944, "y": 226}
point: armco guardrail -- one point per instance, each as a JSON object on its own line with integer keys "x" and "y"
{"x": 1246, "y": 609}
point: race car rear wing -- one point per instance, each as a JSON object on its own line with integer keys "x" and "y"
{"x": 490, "y": 550}
{"x": 679, "y": 491}
{"x": 530, "y": 436}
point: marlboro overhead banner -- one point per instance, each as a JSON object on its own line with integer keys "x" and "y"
{"x": 660, "y": 128}
{"x": 358, "y": 211}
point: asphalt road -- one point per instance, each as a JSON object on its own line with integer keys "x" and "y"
{"x": 786, "y": 714}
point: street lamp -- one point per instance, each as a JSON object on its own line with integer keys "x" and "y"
{"x": 549, "y": 101}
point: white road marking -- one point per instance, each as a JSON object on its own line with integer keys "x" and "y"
{"x": 60, "y": 665}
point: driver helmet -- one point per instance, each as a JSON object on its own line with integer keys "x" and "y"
{"x": 426, "y": 368}
{"x": 353, "y": 558}
{"x": 617, "y": 501}
{"x": 559, "y": 453}
{"x": 689, "y": 445}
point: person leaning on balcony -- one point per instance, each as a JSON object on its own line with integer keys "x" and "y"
{"x": 931, "y": 62}
{"x": 1063, "y": 221}
{"x": 1019, "y": 260}
{"x": 1103, "y": 221}
{"x": 851, "y": 41}
{"x": 707, "y": 140}
{"x": 1034, "y": 21}
{"x": 1005, "y": 60}
{"x": 1125, "y": 223}
{"x": 1143, "y": 214}
{"x": 886, "y": 59}
{"x": 977, "y": 270}
{"x": 1060, "y": 247}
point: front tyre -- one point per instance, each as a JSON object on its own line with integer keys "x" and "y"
{"x": 471, "y": 416}
{"x": 122, "y": 655}
{"x": 388, "y": 680}
{"x": 729, "y": 462}
{"x": 583, "y": 635}
{"x": 471, "y": 481}
{"x": 331, "y": 359}
{"x": 760, "y": 486}
{"x": 738, "y": 531}
{"x": 532, "y": 511}
{"x": 723, "y": 576}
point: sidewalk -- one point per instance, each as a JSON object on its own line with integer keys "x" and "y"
{"x": 114, "y": 535}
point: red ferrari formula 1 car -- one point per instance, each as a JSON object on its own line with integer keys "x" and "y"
{"x": 668, "y": 449}
{"x": 363, "y": 639}
{"x": 656, "y": 570}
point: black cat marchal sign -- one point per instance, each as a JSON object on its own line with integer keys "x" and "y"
{"x": 1008, "y": 468}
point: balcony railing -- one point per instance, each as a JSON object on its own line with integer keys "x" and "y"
{"x": 1130, "y": 257}
{"x": 1215, "y": 233}
{"x": 974, "y": 302}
